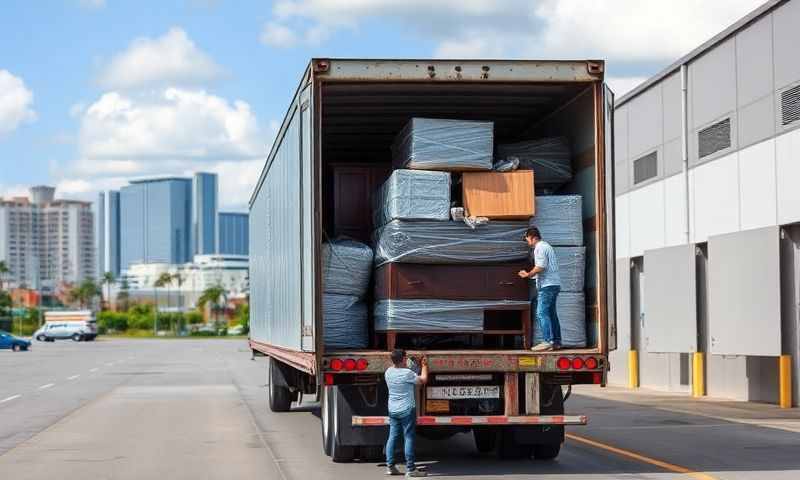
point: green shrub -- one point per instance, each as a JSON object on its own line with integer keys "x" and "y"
{"x": 203, "y": 333}
{"x": 112, "y": 321}
{"x": 193, "y": 318}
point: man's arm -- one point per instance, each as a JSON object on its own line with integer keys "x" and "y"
{"x": 422, "y": 379}
{"x": 540, "y": 265}
{"x": 536, "y": 270}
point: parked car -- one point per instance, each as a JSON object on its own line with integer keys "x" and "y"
{"x": 61, "y": 330}
{"x": 14, "y": 343}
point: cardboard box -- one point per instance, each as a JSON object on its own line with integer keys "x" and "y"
{"x": 499, "y": 195}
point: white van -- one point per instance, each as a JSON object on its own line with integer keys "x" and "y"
{"x": 77, "y": 325}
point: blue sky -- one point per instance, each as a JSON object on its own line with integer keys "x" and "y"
{"x": 93, "y": 92}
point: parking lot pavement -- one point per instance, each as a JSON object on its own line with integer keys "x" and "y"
{"x": 197, "y": 409}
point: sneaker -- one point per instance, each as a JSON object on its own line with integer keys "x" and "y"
{"x": 543, "y": 347}
{"x": 416, "y": 474}
{"x": 556, "y": 346}
{"x": 392, "y": 470}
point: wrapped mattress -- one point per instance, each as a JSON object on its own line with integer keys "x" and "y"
{"x": 435, "y": 315}
{"x": 571, "y": 308}
{"x": 345, "y": 319}
{"x": 440, "y": 144}
{"x": 450, "y": 242}
{"x": 559, "y": 219}
{"x": 549, "y": 158}
{"x": 571, "y": 269}
{"x": 413, "y": 195}
{"x": 346, "y": 267}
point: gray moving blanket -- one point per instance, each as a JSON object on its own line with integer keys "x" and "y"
{"x": 560, "y": 219}
{"x": 441, "y": 144}
{"x": 571, "y": 308}
{"x": 346, "y": 267}
{"x": 413, "y": 195}
{"x": 345, "y": 319}
{"x": 450, "y": 242}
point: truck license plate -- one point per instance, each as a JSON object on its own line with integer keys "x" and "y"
{"x": 456, "y": 393}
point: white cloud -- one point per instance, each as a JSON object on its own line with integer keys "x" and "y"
{"x": 618, "y": 30}
{"x": 15, "y": 103}
{"x": 277, "y": 35}
{"x": 173, "y": 131}
{"x": 622, "y": 85}
{"x": 9, "y": 191}
{"x": 172, "y": 59}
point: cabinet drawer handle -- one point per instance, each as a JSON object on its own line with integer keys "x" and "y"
{"x": 507, "y": 284}
{"x": 415, "y": 282}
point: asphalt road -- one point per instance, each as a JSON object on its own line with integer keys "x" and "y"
{"x": 139, "y": 409}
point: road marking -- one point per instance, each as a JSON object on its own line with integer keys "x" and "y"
{"x": 73, "y": 377}
{"x": 93, "y": 370}
{"x": 641, "y": 458}
{"x": 12, "y": 397}
{"x": 46, "y": 386}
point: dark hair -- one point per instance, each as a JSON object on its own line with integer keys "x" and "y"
{"x": 533, "y": 232}
{"x": 397, "y": 355}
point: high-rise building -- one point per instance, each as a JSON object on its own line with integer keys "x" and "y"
{"x": 108, "y": 233}
{"x": 46, "y": 241}
{"x": 204, "y": 213}
{"x": 234, "y": 233}
{"x": 155, "y": 221}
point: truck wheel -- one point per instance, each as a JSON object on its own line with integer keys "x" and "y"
{"x": 546, "y": 452}
{"x": 339, "y": 453}
{"x": 325, "y": 420}
{"x": 280, "y": 398}
{"x": 509, "y": 449}
{"x": 485, "y": 439}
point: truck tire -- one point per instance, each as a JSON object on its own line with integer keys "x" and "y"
{"x": 338, "y": 452}
{"x": 280, "y": 398}
{"x": 485, "y": 439}
{"x": 325, "y": 421}
{"x": 546, "y": 452}
{"x": 509, "y": 449}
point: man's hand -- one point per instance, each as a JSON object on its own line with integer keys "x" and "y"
{"x": 423, "y": 361}
{"x": 522, "y": 274}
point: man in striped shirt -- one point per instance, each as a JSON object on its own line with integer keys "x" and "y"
{"x": 548, "y": 285}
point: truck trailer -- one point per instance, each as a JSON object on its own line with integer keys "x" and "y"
{"x": 348, "y": 111}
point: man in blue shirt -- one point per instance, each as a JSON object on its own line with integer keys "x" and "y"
{"x": 402, "y": 382}
{"x": 548, "y": 285}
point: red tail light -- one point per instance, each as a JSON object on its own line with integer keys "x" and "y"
{"x": 362, "y": 364}
{"x": 577, "y": 363}
{"x": 349, "y": 364}
{"x": 337, "y": 364}
{"x": 329, "y": 378}
{"x": 591, "y": 363}
{"x": 563, "y": 363}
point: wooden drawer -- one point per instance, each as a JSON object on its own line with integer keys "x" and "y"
{"x": 451, "y": 282}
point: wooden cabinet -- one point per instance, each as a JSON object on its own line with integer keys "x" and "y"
{"x": 451, "y": 282}
{"x": 499, "y": 195}
{"x": 353, "y": 188}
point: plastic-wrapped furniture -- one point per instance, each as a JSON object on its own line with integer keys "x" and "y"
{"x": 559, "y": 219}
{"x": 413, "y": 195}
{"x": 450, "y": 242}
{"x": 345, "y": 319}
{"x": 550, "y": 158}
{"x": 346, "y": 267}
{"x": 442, "y": 144}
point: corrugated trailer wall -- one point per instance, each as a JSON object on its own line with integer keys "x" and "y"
{"x": 275, "y": 246}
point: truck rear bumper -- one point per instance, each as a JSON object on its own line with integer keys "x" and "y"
{"x": 494, "y": 420}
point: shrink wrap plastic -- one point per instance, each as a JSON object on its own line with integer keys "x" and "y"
{"x": 346, "y": 267}
{"x": 571, "y": 308}
{"x": 345, "y": 318}
{"x": 571, "y": 269}
{"x": 559, "y": 219}
{"x": 450, "y": 242}
{"x": 549, "y": 158}
{"x": 435, "y": 315}
{"x": 440, "y": 144}
{"x": 413, "y": 195}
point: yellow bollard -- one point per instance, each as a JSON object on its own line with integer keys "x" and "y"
{"x": 785, "y": 373}
{"x": 698, "y": 374}
{"x": 633, "y": 369}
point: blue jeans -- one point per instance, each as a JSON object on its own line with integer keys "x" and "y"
{"x": 546, "y": 315}
{"x": 402, "y": 424}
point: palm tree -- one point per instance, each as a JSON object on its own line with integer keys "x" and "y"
{"x": 162, "y": 281}
{"x": 3, "y": 270}
{"x": 177, "y": 277}
{"x": 213, "y": 295}
{"x": 84, "y": 293}
{"x": 108, "y": 279}
{"x": 123, "y": 296}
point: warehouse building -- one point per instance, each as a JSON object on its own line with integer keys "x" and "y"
{"x": 707, "y": 157}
